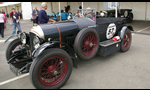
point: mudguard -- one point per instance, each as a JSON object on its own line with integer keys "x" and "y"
{"x": 123, "y": 29}
{"x": 14, "y": 35}
{"x": 39, "y": 50}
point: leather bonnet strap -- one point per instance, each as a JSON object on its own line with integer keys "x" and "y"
{"x": 59, "y": 33}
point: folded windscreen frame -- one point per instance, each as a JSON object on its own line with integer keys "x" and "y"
{"x": 89, "y": 13}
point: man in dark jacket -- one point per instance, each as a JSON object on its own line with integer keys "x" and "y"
{"x": 43, "y": 18}
{"x": 35, "y": 15}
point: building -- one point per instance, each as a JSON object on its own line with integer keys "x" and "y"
{"x": 139, "y": 9}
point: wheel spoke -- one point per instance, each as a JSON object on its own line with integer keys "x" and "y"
{"x": 56, "y": 61}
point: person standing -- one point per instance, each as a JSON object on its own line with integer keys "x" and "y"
{"x": 43, "y": 18}
{"x": 15, "y": 21}
{"x": 3, "y": 11}
{"x": 2, "y": 24}
{"x": 35, "y": 15}
{"x": 5, "y": 19}
{"x": 66, "y": 9}
{"x": 11, "y": 13}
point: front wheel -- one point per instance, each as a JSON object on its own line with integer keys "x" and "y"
{"x": 51, "y": 69}
{"x": 14, "y": 45}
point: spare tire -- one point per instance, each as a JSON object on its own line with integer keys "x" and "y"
{"x": 86, "y": 43}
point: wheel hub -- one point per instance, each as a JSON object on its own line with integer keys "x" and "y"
{"x": 91, "y": 44}
{"x": 55, "y": 72}
{"x": 88, "y": 44}
{"x": 51, "y": 68}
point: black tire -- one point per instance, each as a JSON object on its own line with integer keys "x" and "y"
{"x": 9, "y": 50}
{"x": 39, "y": 62}
{"x": 90, "y": 51}
{"x": 126, "y": 42}
{"x": 11, "y": 46}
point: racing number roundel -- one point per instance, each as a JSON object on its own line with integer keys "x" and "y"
{"x": 111, "y": 30}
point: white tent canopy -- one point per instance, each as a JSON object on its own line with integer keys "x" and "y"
{"x": 9, "y": 3}
{"x": 54, "y": 6}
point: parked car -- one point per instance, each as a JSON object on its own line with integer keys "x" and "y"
{"x": 48, "y": 52}
{"x": 126, "y": 13}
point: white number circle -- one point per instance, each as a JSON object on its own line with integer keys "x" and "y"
{"x": 111, "y": 30}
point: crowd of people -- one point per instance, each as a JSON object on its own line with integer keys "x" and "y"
{"x": 39, "y": 17}
{"x": 14, "y": 21}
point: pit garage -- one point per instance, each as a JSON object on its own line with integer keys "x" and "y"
{"x": 140, "y": 10}
{"x": 129, "y": 70}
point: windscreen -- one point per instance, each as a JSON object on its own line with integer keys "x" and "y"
{"x": 89, "y": 13}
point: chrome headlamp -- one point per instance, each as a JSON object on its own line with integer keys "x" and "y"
{"x": 36, "y": 42}
{"x": 23, "y": 38}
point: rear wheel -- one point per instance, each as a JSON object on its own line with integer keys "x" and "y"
{"x": 51, "y": 69}
{"x": 86, "y": 43}
{"x": 126, "y": 42}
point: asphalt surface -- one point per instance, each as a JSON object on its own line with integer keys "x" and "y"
{"x": 128, "y": 70}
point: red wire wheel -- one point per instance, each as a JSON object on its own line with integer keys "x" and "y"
{"x": 51, "y": 69}
{"x": 86, "y": 43}
{"x": 126, "y": 41}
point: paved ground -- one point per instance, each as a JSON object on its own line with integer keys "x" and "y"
{"x": 119, "y": 70}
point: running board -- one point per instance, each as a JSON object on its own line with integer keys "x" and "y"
{"x": 108, "y": 47}
{"x": 108, "y": 43}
